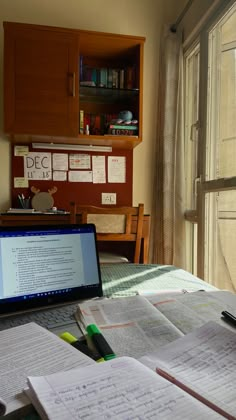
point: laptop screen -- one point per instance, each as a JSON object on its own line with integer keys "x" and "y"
{"x": 43, "y": 265}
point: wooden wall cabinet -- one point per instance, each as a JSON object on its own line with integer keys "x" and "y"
{"x": 45, "y": 84}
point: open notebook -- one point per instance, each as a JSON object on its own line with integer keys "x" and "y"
{"x": 194, "y": 378}
{"x": 46, "y": 266}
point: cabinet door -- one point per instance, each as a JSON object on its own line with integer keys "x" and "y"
{"x": 40, "y": 81}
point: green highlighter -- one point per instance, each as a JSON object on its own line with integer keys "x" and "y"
{"x": 69, "y": 338}
{"x": 100, "y": 342}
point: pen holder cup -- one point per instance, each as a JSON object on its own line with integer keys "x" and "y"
{"x": 24, "y": 203}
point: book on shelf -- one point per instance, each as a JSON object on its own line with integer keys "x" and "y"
{"x": 124, "y": 130}
{"x": 115, "y": 78}
{"x": 81, "y": 121}
{"x": 103, "y": 77}
{"x": 196, "y": 382}
{"x": 109, "y": 78}
{"x": 97, "y": 122}
{"x": 121, "y": 78}
{"x": 130, "y": 77}
{"x": 22, "y": 211}
{"x": 123, "y": 126}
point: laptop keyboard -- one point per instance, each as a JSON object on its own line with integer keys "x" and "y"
{"x": 47, "y": 318}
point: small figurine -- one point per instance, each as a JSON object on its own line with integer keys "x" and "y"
{"x": 125, "y": 115}
{"x": 42, "y": 201}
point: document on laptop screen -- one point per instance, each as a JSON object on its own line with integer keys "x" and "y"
{"x": 39, "y": 263}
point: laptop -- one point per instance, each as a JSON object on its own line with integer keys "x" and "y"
{"x": 45, "y": 271}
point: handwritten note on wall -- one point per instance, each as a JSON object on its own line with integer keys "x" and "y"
{"x": 99, "y": 170}
{"x": 38, "y": 166}
{"x": 47, "y": 166}
{"x": 116, "y": 169}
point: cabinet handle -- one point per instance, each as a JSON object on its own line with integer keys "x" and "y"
{"x": 72, "y": 75}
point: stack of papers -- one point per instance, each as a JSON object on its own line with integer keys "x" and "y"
{"x": 32, "y": 350}
{"x": 191, "y": 384}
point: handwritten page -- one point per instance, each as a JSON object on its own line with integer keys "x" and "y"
{"x": 32, "y": 350}
{"x": 21, "y": 150}
{"x": 204, "y": 361}
{"x": 21, "y": 182}
{"x": 119, "y": 389}
{"x": 38, "y": 166}
{"x": 131, "y": 325}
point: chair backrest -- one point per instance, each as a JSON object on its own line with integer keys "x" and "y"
{"x": 113, "y": 224}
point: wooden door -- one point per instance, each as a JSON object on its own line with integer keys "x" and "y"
{"x": 40, "y": 80}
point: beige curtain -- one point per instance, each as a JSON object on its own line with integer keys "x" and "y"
{"x": 168, "y": 226}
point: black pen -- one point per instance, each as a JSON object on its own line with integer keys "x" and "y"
{"x": 229, "y": 317}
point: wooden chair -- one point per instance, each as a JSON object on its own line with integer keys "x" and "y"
{"x": 113, "y": 224}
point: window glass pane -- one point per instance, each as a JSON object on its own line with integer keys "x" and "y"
{"x": 191, "y": 67}
{"x": 227, "y": 138}
{"x": 191, "y": 124}
{"x": 220, "y": 244}
{"x": 229, "y": 29}
{"x": 221, "y": 128}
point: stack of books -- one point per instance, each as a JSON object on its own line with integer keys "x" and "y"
{"x": 123, "y": 129}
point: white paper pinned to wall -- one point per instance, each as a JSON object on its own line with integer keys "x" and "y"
{"x": 38, "y": 166}
{"x": 99, "y": 170}
{"x": 116, "y": 169}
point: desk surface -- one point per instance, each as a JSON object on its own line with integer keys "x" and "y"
{"x": 130, "y": 279}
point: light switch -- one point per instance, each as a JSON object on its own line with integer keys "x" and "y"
{"x": 108, "y": 198}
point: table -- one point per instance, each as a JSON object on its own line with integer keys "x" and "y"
{"x": 130, "y": 279}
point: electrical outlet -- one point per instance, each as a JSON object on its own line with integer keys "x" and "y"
{"x": 108, "y": 198}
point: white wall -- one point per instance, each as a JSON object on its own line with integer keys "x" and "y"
{"x": 133, "y": 17}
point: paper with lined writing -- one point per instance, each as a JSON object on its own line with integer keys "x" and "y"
{"x": 205, "y": 362}
{"x": 32, "y": 350}
{"x": 120, "y": 389}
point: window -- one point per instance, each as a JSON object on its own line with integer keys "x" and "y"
{"x": 213, "y": 175}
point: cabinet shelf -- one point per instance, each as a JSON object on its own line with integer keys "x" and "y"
{"x": 43, "y": 96}
{"x": 125, "y": 142}
{"x": 106, "y": 95}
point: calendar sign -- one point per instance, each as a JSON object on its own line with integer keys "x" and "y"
{"x": 38, "y": 166}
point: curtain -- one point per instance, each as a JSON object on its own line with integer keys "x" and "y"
{"x": 168, "y": 225}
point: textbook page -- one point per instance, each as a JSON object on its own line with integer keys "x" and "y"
{"x": 131, "y": 325}
{"x": 191, "y": 310}
{"x": 204, "y": 362}
{"x": 121, "y": 388}
{"x": 32, "y": 350}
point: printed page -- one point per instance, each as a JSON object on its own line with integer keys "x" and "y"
{"x": 204, "y": 362}
{"x": 32, "y": 350}
{"x": 131, "y": 325}
{"x": 119, "y": 389}
{"x": 191, "y": 310}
